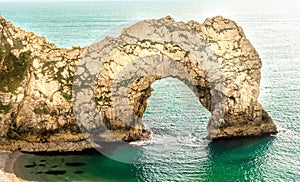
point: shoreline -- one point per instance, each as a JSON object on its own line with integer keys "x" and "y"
{"x": 7, "y": 160}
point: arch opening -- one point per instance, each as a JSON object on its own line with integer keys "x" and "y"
{"x": 173, "y": 109}
{"x": 131, "y": 87}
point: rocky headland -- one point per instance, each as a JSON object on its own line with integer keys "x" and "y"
{"x": 36, "y": 79}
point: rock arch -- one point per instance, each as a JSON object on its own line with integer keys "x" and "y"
{"x": 114, "y": 77}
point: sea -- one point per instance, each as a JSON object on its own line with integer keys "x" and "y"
{"x": 178, "y": 150}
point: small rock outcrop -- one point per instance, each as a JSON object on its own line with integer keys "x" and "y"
{"x": 53, "y": 99}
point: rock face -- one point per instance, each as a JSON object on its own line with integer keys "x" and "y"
{"x": 111, "y": 82}
{"x": 35, "y": 92}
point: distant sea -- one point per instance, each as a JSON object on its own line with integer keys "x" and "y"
{"x": 177, "y": 151}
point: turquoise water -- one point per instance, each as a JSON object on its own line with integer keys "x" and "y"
{"x": 177, "y": 151}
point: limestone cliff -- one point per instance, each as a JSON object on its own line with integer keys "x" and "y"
{"x": 36, "y": 78}
{"x": 35, "y": 91}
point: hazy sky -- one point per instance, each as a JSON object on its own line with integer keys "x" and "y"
{"x": 290, "y": 5}
{"x": 84, "y": 0}
{"x": 241, "y": 1}
{"x": 270, "y": 2}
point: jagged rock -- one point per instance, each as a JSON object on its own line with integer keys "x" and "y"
{"x": 36, "y": 105}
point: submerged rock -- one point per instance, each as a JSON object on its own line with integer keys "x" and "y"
{"x": 38, "y": 112}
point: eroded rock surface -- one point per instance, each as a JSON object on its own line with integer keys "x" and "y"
{"x": 113, "y": 82}
{"x": 35, "y": 92}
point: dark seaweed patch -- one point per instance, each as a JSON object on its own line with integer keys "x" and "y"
{"x": 30, "y": 166}
{"x": 42, "y": 165}
{"x": 74, "y": 164}
{"x": 57, "y": 172}
{"x": 54, "y": 166}
{"x": 40, "y": 172}
{"x": 43, "y": 160}
{"x": 78, "y": 172}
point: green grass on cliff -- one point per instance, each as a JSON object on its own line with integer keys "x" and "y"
{"x": 12, "y": 69}
{"x": 4, "y": 108}
{"x": 41, "y": 110}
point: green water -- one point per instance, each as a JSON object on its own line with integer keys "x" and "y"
{"x": 243, "y": 158}
{"x": 177, "y": 151}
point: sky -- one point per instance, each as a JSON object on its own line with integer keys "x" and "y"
{"x": 242, "y": 1}
{"x": 270, "y": 2}
{"x": 81, "y": 0}
{"x": 280, "y": 5}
